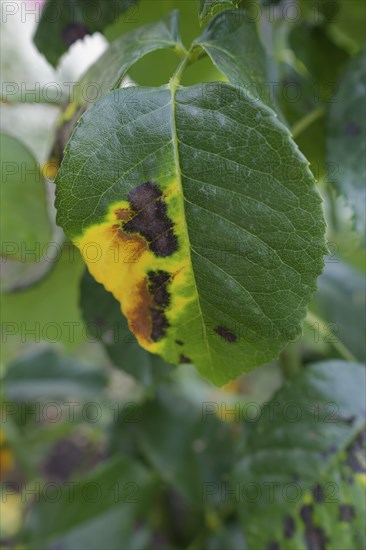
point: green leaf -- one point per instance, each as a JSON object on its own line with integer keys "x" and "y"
{"x": 25, "y": 227}
{"x": 46, "y": 374}
{"x": 98, "y": 511}
{"x": 231, "y": 40}
{"x": 207, "y": 7}
{"x": 244, "y": 212}
{"x": 347, "y": 138}
{"x": 110, "y": 69}
{"x": 294, "y": 481}
{"x": 64, "y": 22}
{"x": 340, "y": 302}
{"x": 103, "y": 317}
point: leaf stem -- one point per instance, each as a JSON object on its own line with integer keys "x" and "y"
{"x": 307, "y": 121}
{"x": 311, "y": 319}
{"x": 186, "y": 60}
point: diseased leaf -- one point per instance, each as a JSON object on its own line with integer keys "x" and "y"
{"x": 115, "y": 498}
{"x": 300, "y": 481}
{"x": 64, "y": 22}
{"x": 231, "y": 40}
{"x": 103, "y": 317}
{"x": 25, "y": 227}
{"x": 346, "y": 143}
{"x": 196, "y": 210}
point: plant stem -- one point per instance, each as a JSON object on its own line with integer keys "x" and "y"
{"x": 175, "y": 79}
{"x": 311, "y": 319}
{"x": 290, "y": 360}
{"x": 307, "y": 121}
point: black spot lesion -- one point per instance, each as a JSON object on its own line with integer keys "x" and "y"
{"x": 315, "y": 536}
{"x": 226, "y": 334}
{"x": 158, "y": 282}
{"x": 183, "y": 359}
{"x": 150, "y": 219}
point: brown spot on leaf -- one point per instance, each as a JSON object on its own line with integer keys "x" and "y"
{"x": 122, "y": 214}
{"x": 346, "y": 512}
{"x": 73, "y": 32}
{"x": 158, "y": 290}
{"x": 158, "y": 281}
{"x": 315, "y": 536}
{"x": 150, "y": 219}
{"x": 226, "y": 334}
{"x": 140, "y": 320}
{"x": 143, "y": 195}
{"x": 183, "y": 359}
{"x": 159, "y": 324}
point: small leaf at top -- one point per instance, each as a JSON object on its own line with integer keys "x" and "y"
{"x": 232, "y": 41}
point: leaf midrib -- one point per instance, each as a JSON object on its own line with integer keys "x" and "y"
{"x": 173, "y": 88}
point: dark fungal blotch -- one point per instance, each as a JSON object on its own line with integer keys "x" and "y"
{"x": 159, "y": 324}
{"x": 184, "y": 360}
{"x": 179, "y": 342}
{"x": 157, "y": 281}
{"x": 150, "y": 219}
{"x": 158, "y": 289}
{"x": 226, "y": 334}
{"x": 315, "y": 536}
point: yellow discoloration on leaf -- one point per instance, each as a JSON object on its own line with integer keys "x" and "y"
{"x": 121, "y": 262}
